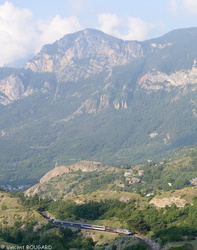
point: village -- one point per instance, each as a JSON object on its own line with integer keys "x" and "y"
{"x": 133, "y": 173}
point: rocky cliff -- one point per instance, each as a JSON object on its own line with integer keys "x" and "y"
{"x": 84, "y": 166}
{"x": 50, "y": 179}
{"x": 86, "y": 54}
{"x": 13, "y": 88}
{"x": 157, "y": 80}
{"x": 92, "y": 96}
{"x": 177, "y": 197}
{"x": 83, "y": 54}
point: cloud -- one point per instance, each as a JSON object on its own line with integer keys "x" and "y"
{"x": 109, "y": 23}
{"x": 22, "y": 37}
{"x": 78, "y": 6}
{"x": 173, "y": 5}
{"x": 189, "y": 6}
{"x": 16, "y": 32}
{"x": 140, "y": 30}
{"x": 57, "y": 27}
{"x": 129, "y": 28}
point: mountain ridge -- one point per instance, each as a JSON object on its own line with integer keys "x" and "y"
{"x": 76, "y": 52}
{"x": 105, "y": 100}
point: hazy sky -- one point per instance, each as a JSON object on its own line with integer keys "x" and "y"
{"x": 26, "y": 25}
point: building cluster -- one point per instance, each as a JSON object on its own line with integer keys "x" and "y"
{"x": 133, "y": 174}
{"x": 10, "y": 188}
{"x": 194, "y": 181}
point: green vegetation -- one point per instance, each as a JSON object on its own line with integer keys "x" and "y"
{"x": 101, "y": 195}
{"x": 19, "y": 229}
{"x": 139, "y": 246}
{"x": 12, "y": 212}
{"x": 57, "y": 123}
{"x": 21, "y": 225}
{"x": 65, "y": 122}
{"x": 179, "y": 47}
{"x": 171, "y": 174}
{"x": 79, "y": 183}
{"x": 166, "y": 225}
{"x": 148, "y": 216}
{"x": 110, "y": 183}
{"x": 57, "y": 238}
{"x": 169, "y": 224}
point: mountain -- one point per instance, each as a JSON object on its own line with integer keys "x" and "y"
{"x": 90, "y": 96}
{"x": 84, "y": 53}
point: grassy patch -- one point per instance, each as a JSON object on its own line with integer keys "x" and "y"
{"x": 186, "y": 194}
{"x": 182, "y": 243}
{"x": 12, "y": 211}
{"x": 107, "y": 195}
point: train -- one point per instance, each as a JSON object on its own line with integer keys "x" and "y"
{"x": 92, "y": 227}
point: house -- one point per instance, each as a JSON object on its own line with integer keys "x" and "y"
{"x": 129, "y": 173}
{"x": 134, "y": 180}
{"x": 194, "y": 181}
{"x": 140, "y": 172}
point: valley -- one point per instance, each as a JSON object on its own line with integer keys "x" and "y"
{"x": 153, "y": 226}
{"x": 102, "y": 99}
{"x": 101, "y": 132}
{"x": 91, "y": 193}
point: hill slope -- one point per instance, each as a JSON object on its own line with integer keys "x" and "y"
{"x": 90, "y": 96}
{"x": 93, "y": 179}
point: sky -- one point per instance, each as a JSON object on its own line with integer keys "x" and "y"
{"x": 26, "y": 25}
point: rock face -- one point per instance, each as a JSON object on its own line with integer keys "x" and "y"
{"x": 177, "y": 197}
{"x": 84, "y": 166}
{"x": 168, "y": 202}
{"x": 88, "y": 53}
{"x": 83, "y": 54}
{"x": 18, "y": 85}
{"x": 159, "y": 80}
{"x": 12, "y": 88}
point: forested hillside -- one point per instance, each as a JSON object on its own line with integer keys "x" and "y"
{"x": 85, "y": 177}
{"x": 168, "y": 226}
{"x": 93, "y": 193}
{"x": 90, "y": 96}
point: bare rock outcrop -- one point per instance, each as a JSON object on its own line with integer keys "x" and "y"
{"x": 12, "y": 88}
{"x": 168, "y": 202}
{"x": 156, "y": 80}
{"x": 84, "y": 53}
{"x": 84, "y": 166}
